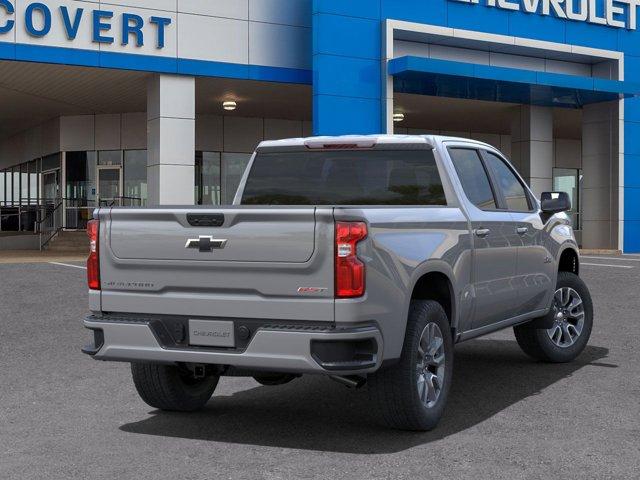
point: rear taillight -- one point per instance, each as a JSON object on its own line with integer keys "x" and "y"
{"x": 93, "y": 262}
{"x": 349, "y": 269}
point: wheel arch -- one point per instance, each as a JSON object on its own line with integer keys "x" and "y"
{"x": 434, "y": 281}
{"x": 569, "y": 260}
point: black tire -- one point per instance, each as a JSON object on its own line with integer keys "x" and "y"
{"x": 394, "y": 390}
{"x": 171, "y": 387}
{"x": 537, "y": 342}
{"x": 274, "y": 379}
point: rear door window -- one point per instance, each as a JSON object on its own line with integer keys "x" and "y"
{"x": 473, "y": 177}
{"x": 354, "y": 177}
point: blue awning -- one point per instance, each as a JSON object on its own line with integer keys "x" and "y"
{"x": 444, "y": 78}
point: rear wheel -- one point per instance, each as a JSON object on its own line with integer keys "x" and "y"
{"x": 411, "y": 395}
{"x": 172, "y": 387}
{"x": 571, "y": 319}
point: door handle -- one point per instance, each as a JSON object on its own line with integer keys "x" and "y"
{"x": 522, "y": 230}
{"x": 482, "y": 232}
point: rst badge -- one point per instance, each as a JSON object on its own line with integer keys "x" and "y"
{"x": 206, "y": 243}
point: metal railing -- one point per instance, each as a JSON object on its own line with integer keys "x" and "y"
{"x": 49, "y": 222}
{"x": 122, "y": 202}
{"x": 46, "y": 217}
{"x": 19, "y": 215}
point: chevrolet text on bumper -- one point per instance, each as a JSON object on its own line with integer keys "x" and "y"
{"x": 364, "y": 259}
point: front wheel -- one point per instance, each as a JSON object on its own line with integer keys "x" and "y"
{"x": 411, "y": 394}
{"x": 571, "y": 319}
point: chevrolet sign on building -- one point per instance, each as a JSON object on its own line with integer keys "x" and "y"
{"x": 159, "y": 102}
{"x": 614, "y": 13}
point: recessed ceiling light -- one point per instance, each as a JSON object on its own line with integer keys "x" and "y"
{"x": 230, "y": 105}
{"x": 398, "y": 117}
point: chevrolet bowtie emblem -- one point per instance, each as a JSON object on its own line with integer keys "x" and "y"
{"x": 205, "y": 243}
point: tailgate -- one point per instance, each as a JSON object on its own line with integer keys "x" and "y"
{"x": 232, "y": 262}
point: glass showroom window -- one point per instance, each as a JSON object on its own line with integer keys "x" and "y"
{"x": 2, "y": 187}
{"x": 110, "y": 157}
{"x": 207, "y": 187}
{"x": 135, "y": 178}
{"x": 569, "y": 180}
{"x": 233, "y": 166}
{"x": 218, "y": 176}
{"x": 80, "y": 192}
{"x": 51, "y": 162}
{"x": 24, "y": 184}
{"x": 34, "y": 180}
{"x": 80, "y": 176}
{"x": 16, "y": 186}
{"x": 8, "y": 187}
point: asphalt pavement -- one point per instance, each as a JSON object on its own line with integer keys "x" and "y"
{"x": 66, "y": 416}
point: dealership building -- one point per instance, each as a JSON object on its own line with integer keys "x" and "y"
{"x": 157, "y": 102}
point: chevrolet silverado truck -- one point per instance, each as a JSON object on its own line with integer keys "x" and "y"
{"x": 364, "y": 259}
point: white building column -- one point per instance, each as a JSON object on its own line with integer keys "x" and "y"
{"x": 532, "y": 146}
{"x": 171, "y": 130}
{"x": 600, "y": 140}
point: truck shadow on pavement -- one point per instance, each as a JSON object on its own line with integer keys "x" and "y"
{"x": 315, "y": 413}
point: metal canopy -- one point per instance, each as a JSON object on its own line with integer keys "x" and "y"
{"x": 444, "y": 78}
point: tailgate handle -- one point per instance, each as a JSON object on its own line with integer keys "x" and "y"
{"x": 205, "y": 219}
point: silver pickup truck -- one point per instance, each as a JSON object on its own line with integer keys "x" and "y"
{"x": 361, "y": 258}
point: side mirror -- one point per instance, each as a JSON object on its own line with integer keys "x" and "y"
{"x": 555, "y": 202}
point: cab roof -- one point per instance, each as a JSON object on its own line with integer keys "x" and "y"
{"x": 360, "y": 141}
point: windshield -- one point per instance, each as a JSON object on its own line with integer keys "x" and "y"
{"x": 354, "y": 177}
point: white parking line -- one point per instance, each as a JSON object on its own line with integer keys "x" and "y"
{"x": 619, "y": 259}
{"x": 605, "y": 265}
{"x": 68, "y": 265}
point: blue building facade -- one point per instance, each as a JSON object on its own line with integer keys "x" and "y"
{"x": 356, "y": 73}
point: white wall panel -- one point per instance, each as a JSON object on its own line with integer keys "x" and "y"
{"x": 166, "y": 5}
{"x": 241, "y": 134}
{"x": 455, "y": 54}
{"x": 285, "y": 12}
{"x": 33, "y": 143}
{"x": 567, "y": 153}
{"x": 402, "y": 48}
{"x": 217, "y": 39}
{"x": 278, "y": 129}
{"x": 176, "y": 100}
{"x": 279, "y": 45}
{"x": 57, "y": 37}
{"x": 209, "y": 133}
{"x": 238, "y": 9}
{"x": 134, "y": 131}
{"x": 516, "y": 61}
{"x": 107, "y": 132}
{"x": 50, "y": 137}
{"x": 568, "y": 68}
{"x": 149, "y": 33}
{"x": 76, "y": 133}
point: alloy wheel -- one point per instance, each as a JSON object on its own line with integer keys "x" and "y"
{"x": 430, "y": 365}
{"x": 568, "y": 317}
